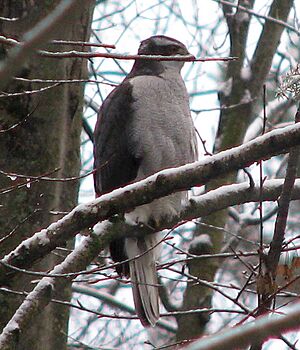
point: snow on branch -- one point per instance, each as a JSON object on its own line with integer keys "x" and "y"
{"x": 156, "y": 186}
{"x": 45, "y": 290}
{"x": 84, "y": 254}
{"x": 80, "y": 54}
{"x": 37, "y": 247}
{"x": 120, "y": 56}
{"x": 241, "y": 336}
{"x": 13, "y": 42}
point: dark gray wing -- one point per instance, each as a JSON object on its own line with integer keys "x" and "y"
{"x": 114, "y": 161}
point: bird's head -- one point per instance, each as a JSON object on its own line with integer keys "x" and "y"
{"x": 163, "y": 46}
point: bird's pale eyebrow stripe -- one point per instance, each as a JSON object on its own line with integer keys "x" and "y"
{"x": 166, "y": 42}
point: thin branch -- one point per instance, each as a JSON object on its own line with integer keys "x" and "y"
{"x": 77, "y": 54}
{"x": 26, "y": 183}
{"x": 64, "y": 81}
{"x": 14, "y": 126}
{"x": 115, "y": 303}
{"x": 82, "y": 43}
{"x": 42, "y": 294}
{"x": 13, "y": 42}
{"x": 212, "y": 286}
{"x": 267, "y": 45}
{"x": 46, "y": 178}
{"x": 80, "y": 54}
{"x": 241, "y": 336}
{"x": 33, "y": 39}
{"x": 258, "y": 15}
{"x": 155, "y": 186}
{"x": 28, "y": 92}
{"x": 283, "y": 207}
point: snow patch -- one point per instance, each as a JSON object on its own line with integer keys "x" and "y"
{"x": 203, "y": 239}
{"x": 45, "y": 283}
{"x": 93, "y": 209}
{"x": 139, "y": 215}
{"x": 247, "y": 97}
{"x": 83, "y": 208}
{"x": 253, "y": 130}
{"x": 130, "y": 219}
{"x": 44, "y": 240}
{"x": 226, "y": 87}
{"x": 246, "y": 73}
{"x": 200, "y": 244}
{"x": 100, "y": 227}
{"x": 12, "y": 326}
{"x": 242, "y": 16}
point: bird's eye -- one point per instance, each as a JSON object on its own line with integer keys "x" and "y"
{"x": 174, "y": 48}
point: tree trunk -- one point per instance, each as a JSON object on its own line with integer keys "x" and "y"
{"x": 49, "y": 138}
{"x": 230, "y": 133}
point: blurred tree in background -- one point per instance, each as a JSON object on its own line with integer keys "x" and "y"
{"x": 214, "y": 271}
{"x": 41, "y": 126}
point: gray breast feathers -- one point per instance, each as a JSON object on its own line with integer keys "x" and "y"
{"x": 162, "y": 130}
{"x": 162, "y": 135}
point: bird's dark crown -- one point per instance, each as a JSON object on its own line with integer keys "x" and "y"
{"x": 162, "y": 45}
{"x": 157, "y": 45}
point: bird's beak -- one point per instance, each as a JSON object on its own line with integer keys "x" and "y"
{"x": 187, "y": 53}
{"x": 192, "y": 57}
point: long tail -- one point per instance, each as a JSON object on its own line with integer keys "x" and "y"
{"x": 144, "y": 278}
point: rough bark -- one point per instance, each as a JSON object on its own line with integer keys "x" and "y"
{"x": 49, "y": 138}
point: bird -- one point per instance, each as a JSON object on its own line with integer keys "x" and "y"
{"x": 144, "y": 126}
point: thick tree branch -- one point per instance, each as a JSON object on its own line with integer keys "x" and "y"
{"x": 158, "y": 185}
{"x": 238, "y": 25}
{"x": 241, "y": 336}
{"x": 228, "y": 4}
{"x": 267, "y": 45}
{"x": 45, "y": 290}
{"x": 86, "y": 252}
{"x": 198, "y": 206}
{"x": 235, "y": 89}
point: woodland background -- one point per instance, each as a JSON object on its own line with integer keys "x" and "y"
{"x": 234, "y": 257}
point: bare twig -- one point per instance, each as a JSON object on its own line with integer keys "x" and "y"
{"x": 33, "y": 39}
{"x": 77, "y": 54}
{"x": 258, "y": 15}
{"x": 14, "y": 126}
{"x": 27, "y": 92}
{"x": 82, "y": 43}
{"x": 156, "y": 186}
{"x": 283, "y": 207}
{"x": 46, "y": 178}
{"x": 263, "y": 327}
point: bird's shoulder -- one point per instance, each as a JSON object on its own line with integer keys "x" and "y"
{"x": 117, "y": 102}
{"x": 115, "y": 162}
